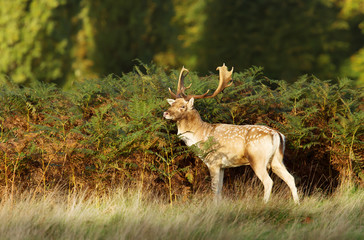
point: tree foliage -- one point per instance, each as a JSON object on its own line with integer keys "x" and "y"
{"x": 36, "y": 40}
{"x": 66, "y": 41}
{"x": 288, "y": 38}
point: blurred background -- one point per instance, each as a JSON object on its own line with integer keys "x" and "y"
{"x": 63, "y": 41}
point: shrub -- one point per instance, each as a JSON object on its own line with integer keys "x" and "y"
{"x": 109, "y": 131}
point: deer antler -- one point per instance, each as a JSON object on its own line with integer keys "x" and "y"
{"x": 181, "y": 88}
{"x": 225, "y": 78}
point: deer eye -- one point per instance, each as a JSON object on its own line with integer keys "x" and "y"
{"x": 183, "y": 107}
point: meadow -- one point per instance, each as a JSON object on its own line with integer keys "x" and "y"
{"x": 133, "y": 214}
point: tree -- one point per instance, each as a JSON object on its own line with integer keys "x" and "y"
{"x": 36, "y": 40}
{"x": 288, "y": 38}
{"x": 123, "y": 31}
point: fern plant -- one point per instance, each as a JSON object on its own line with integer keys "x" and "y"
{"x": 111, "y": 130}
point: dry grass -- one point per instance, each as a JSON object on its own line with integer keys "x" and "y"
{"x": 132, "y": 214}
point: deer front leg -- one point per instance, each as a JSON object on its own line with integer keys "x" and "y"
{"x": 217, "y": 179}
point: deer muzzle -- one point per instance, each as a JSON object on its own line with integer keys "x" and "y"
{"x": 166, "y": 115}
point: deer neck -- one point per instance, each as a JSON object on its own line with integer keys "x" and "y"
{"x": 191, "y": 128}
{"x": 190, "y": 123}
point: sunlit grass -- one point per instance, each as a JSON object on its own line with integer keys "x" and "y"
{"x": 132, "y": 214}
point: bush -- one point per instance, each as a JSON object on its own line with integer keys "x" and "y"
{"x": 110, "y": 131}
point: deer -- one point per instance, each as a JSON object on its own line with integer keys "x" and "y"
{"x": 259, "y": 146}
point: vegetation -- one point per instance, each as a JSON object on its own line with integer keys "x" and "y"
{"x": 61, "y": 41}
{"x": 87, "y": 154}
{"x": 125, "y": 214}
{"x": 110, "y": 131}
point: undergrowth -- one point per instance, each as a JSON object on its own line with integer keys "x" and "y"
{"x": 110, "y": 131}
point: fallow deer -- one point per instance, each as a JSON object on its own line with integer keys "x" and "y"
{"x": 261, "y": 147}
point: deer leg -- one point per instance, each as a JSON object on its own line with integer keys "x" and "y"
{"x": 262, "y": 173}
{"x": 217, "y": 178}
{"x": 281, "y": 171}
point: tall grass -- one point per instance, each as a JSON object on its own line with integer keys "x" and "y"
{"x": 132, "y": 214}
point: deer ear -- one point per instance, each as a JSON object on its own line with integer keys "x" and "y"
{"x": 171, "y": 101}
{"x": 190, "y": 104}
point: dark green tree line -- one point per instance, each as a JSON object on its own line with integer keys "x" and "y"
{"x": 289, "y": 38}
{"x": 63, "y": 41}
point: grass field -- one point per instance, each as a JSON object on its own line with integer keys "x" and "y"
{"x": 132, "y": 214}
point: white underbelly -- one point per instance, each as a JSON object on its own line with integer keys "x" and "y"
{"x": 233, "y": 161}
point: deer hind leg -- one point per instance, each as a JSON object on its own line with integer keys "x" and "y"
{"x": 217, "y": 179}
{"x": 262, "y": 173}
{"x": 281, "y": 171}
